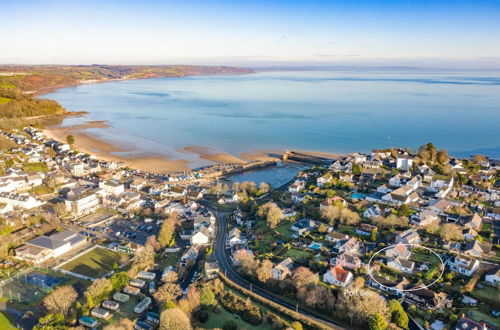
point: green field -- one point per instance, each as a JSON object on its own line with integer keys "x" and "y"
{"x": 5, "y": 323}
{"x": 297, "y": 255}
{"x": 4, "y": 100}
{"x": 488, "y": 292}
{"x": 217, "y": 321}
{"x": 94, "y": 263}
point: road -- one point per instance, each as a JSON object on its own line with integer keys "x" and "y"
{"x": 226, "y": 268}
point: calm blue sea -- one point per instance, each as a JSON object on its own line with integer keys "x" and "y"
{"x": 334, "y": 111}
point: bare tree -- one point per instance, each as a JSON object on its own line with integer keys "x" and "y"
{"x": 330, "y": 213}
{"x": 60, "y": 300}
{"x": 246, "y": 262}
{"x": 170, "y": 277}
{"x": 174, "y": 319}
{"x": 450, "y": 232}
{"x": 123, "y": 324}
{"x": 265, "y": 271}
{"x": 272, "y": 213}
{"x": 303, "y": 276}
{"x": 168, "y": 292}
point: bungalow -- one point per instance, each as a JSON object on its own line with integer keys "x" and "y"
{"x": 398, "y": 251}
{"x": 440, "y": 206}
{"x": 463, "y": 265}
{"x": 296, "y": 187}
{"x": 142, "y": 305}
{"x": 138, "y": 283}
{"x": 336, "y": 237}
{"x": 302, "y": 226}
{"x": 338, "y": 276}
{"x": 327, "y": 178}
{"x": 131, "y": 290}
{"x": 346, "y": 260}
{"x": 283, "y": 269}
{"x": 402, "y": 265}
{"x": 349, "y": 246}
{"x": 493, "y": 276}
{"x": 372, "y": 212}
{"x": 88, "y": 321}
{"x": 384, "y": 284}
{"x": 477, "y": 249}
{"x": 425, "y": 217}
{"x": 121, "y": 297}
{"x": 100, "y": 313}
{"x": 402, "y": 195}
{"x": 408, "y": 236}
{"x": 335, "y": 200}
{"x": 428, "y": 299}
{"x": 111, "y": 305}
{"x": 365, "y": 229}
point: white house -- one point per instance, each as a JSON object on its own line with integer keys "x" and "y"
{"x": 83, "y": 203}
{"x": 327, "y": 178}
{"x": 24, "y": 201}
{"x": 404, "y": 162}
{"x": 283, "y": 269}
{"x": 402, "y": 265}
{"x": 493, "y": 276}
{"x": 338, "y": 276}
{"x": 296, "y": 187}
{"x": 372, "y": 212}
{"x": 463, "y": 265}
{"x": 201, "y": 237}
{"x": 112, "y": 187}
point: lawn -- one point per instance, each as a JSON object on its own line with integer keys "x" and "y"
{"x": 347, "y": 230}
{"x": 126, "y": 310}
{"x": 5, "y": 323}
{"x": 35, "y": 167}
{"x": 95, "y": 263}
{"x": 284, "y": 230}
{"x": 488, "y": 292}
{"x": 4, "y": 100}
{"x": 297, "y": 254}
{"x": 477, "y": 315}
{"x": 425, "y": 256}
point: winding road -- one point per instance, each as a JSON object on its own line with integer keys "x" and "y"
{"x": 227, "y": 269}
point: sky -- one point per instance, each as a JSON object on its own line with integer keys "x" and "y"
{"x": 252, "y": 33}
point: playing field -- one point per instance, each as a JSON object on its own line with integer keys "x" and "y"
{"x": 95, "y": 263}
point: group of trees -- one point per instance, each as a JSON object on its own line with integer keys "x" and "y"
{"x": 28, "y": 106}
{"x": 166, "y": 235}
{"x": 391, "y": 221}
{"x": 332, "y": 213}
{"x": 272, "y": 213}
{"x": 429, "y": 153}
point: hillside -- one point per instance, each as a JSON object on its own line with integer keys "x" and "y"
{"x": 40, "y": 79}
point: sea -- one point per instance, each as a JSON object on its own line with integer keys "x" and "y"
{"x": 331, "y": 111}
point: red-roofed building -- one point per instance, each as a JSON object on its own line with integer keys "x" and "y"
{"x": 338, "y": 276}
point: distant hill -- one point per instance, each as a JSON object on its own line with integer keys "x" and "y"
{"x": 39, "y": 79}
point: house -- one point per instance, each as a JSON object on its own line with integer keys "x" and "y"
{"x": 338, "y": 276}
{"x": 425, "y": 217}
{"x": 427, "y": 299}
{"x": 201, "y": 237}
{"x": 469, "y": 234}
{"x": 387, "y": 285}
{"x": 440, "y": 206}
{"x": 113, "y": 187}
{"x": 463, "y": 265}
{"x": 211, "y": 269}
{"x": 296, "y": 187}
{"x": 335, "y": 200}
{"x": 404, "y": 162}
{"x": 44, "y": 247}
{"x": 83, "y": 203}
{"x": 398, "y": 251}
{"x": 493, "y": 276}
{"x": 283, "y": 269}
{"x": 477, "y": 249}
{"x": 402, "y": 195}
{"x": 322, "y": 180}
{"x": 298, "y": 197}
{"x": 465, "y": 323}
{"x": 346, "y": 260}
{"x": 24, "y": 201}
{"x": 235, "y": 237}
{"x": 473, "y": 221}
{"x": 229, "y": 198}
{"x": 349, "y": 246}
{"x": 372, "y": 212}
{"x": 336, "y": 237}
{"x": 402, "y": 265}
{"x": 302, "y": 226}
{"x": 346, "y": 177}
{"x": 365, "y": 229}
{"x": 409, "y": 236}
{"x": 190, "y": 255}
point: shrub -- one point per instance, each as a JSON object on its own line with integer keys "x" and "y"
{"x": 248, "y": 312}
{"x": 201, "y": 316}
{"x": 231, "y": 325}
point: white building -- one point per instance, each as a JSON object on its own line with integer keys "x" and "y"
{"x": 24, "y": 201}
{"x": 338, "y": 276}
{"x": 112, "y": 187}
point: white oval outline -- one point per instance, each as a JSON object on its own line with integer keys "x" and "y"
{"x": 414, "y": 289}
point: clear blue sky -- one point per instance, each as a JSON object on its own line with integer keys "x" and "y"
{"x": 251, "y": 32}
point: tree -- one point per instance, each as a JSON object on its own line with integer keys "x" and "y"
{"x": 144, "y": 257}
{"x": 478, "y": 158}
{"x": 404, "y": 210}
{"x": 272, "y": 213}
{"x": 51, "y": 322}
{"x": 174, "y": 319}
{"x": 207, "y": 297}
{"x": 153, "y": 243}
{"x": 360, "y": 308}
{"x": 330, "y": 213}
{"x": 119, "y": 280}
{"x": 373, "y": 235}
{"x": 377, "y": 322}
{"x": 97, "y": 290}
{"x": 356, "y": 169}
{"x": 391, "y": 221}
{"x": 122, "y": 324}
{"x": 302, "y": 276}
{"x": 322, "y": 228}
{"x": 398, "y": 314}
{"x": 265, "y": 271}
{"x": 70, "y": 139}
{"x": 442, "y": 157}
{"x": 170, "y": 277}
{"x": 263, "y": 188}
{"x": 296, "y": 325}
{"x": 167, "y": 293}
{"x": 450, "y": 232}
{"x": 348, "y": 217}
{"x": 60, "y": 300}
{"x": 167, "y": 230}
{"x": 60, "y": 208}
{"x": 246, "y": 262}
